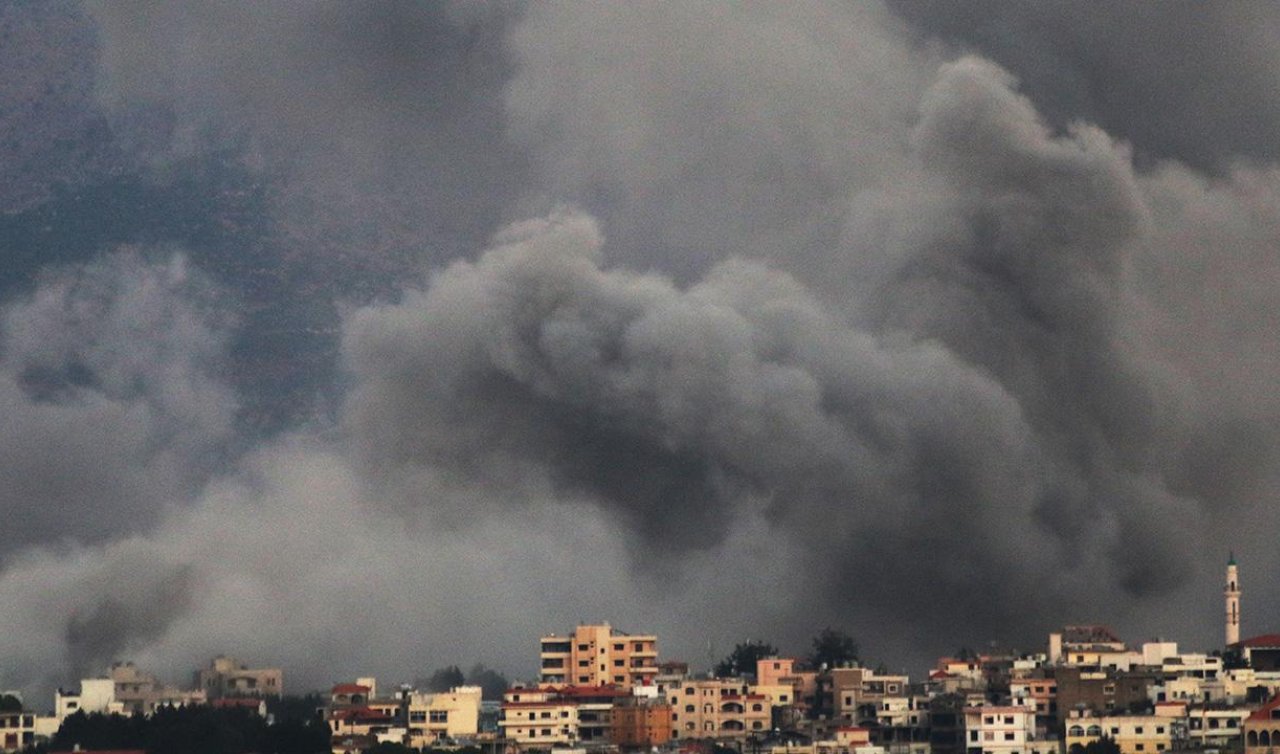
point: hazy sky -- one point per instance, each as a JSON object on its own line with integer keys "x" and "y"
{"x": 369, "y": 338}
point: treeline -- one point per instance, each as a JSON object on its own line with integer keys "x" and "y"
{"x": 297, "y": 729}
{"x": 831, "y": 647}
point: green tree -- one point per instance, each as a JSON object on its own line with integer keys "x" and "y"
{"x": 491, "y": 682}
{"x": 742, "y": 660}
{"x": 387, "y": 747}
{"x": 10, "y": 703}
{"x": 446, "y": 678}
{"x": 1102, "y": 746}
{"x": 833, "y": 648}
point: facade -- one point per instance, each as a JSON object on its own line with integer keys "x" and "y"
{"x": 599, "y": 655}
{"x": 538, "y": 717}
{"x": 717, "y": 708}
{"x": 17, "y": 730}
{"x": 990, "y": 729}
{"x": 640, "y": 724}
{"x": 1262, "y": 729}
{"x": 433, "y": 718}
{"x": 228, "y": 677}
{"x": 1134, "y": 734}
{"x": 95, "y": 695}
{"x": 139, "y": 692}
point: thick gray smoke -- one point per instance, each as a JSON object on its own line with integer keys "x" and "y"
{"x": 818, "y": 321}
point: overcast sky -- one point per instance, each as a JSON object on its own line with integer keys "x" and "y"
{"x": 370, "y": 338}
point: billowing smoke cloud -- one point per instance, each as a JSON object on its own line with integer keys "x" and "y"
{"x": 842, "y": 333}
{"x": 114, "y": 400}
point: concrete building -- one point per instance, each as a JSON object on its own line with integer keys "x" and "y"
{"x": 441, "y": 717}
{"x": 538, "y": 717}
{"x": 140, "y": 692}
{"x": 990, "y": 729}
{"x": 1262, "y": 729}
{"x": 1134, "y": 734}
{"x": 95, "y": 695}
{"x": 1103, "y": 692}
{"x": 599, "y": 655}
{"x": 640, "y": 724}
{"x": 17, "y": 730}
{"x": 228, "y": 677}
{"x": 717, "y": 708}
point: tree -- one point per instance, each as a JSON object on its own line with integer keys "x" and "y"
{"x": 1102, "y": 746}
{"x": 492, "y": 683}
{"x": 10, "y": 703}
{"x": 833, "y": 648}
{"x": 389, "y": 747}
{"x": 446, "y": 678}
{"x": 742, "y": 660}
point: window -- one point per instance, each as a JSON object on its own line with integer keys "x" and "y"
{"x": 1159, "y": 729}
{"x": 417, "y": 717}
{"x": 438, "y": 716}
{"x": 618, "y": 663}
{"x": 973, "y": 735}
{"x": 688, "y": 708}
{"x": 618, "y": 647}
{"x": 1139, "y": 747}
{"x": 1008, "y": 719}
{"x": 1008, "y": 736}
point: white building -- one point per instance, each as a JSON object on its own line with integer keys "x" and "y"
{"x": 95, "y": 695}
{"x": 989, "y": 729}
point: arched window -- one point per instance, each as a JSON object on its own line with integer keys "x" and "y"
{"x": 1094, "y": 731}
{"x": 1253, "y": 738}
{"x": 1264, "y": 738}
{"x": 1076, "y": 730}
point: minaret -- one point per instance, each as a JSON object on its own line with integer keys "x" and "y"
{"x": 1232, "y": 593}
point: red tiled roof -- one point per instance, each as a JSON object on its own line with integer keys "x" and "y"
{"x": 350, "y": 688}
{"x": 359, "y": 713}
{"x": 1265, "y": 640}
{"x": 1264, "y": 712}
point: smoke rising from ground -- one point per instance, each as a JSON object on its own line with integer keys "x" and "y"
{"x": 816, "y": 321}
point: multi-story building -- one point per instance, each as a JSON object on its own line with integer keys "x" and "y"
{"x": 1102, "y": 692}
{"x": 1040, "y": 694}
{"x": 433, "y": 718}
{"x": 17, "y": 730}
{"x": 774, "y": 675}
{"x": 1134, "y": 734}
{"x": 538, "y": 717}
{"x": 95, "y": 695}
{"x": 228, "y": 677}
{"x": 844, "y": 691}
{"x": 993, "y": 729}
{"x": 717, "y": 708}
{"x": 599, "y": 655}
{"x": 140, "y": 692}
{"x": 640, "y": 723}
{"x": 1262, "y": 729}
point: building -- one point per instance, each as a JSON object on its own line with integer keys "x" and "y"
{"x": 1231, "y": 595}
{"x": 95, "y": 695}
{"x": 640, "y": 724}
{"x": 228, "y": 677}
{"x": 599, "y": 655}
{"x": 1134, "y": 734}
{"x": 538, "y": 717}
{"x": 441, "y": 717}
{"x": 1102, "y": 692}
{"x": 1262, "y": 729}
{"x": 17, "y": 730}
{"x": 990, "y": 729}
{"x": 717, "y": 708}
{"x": 140, "y": 692}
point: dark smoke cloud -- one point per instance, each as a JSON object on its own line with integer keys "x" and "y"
{"x": 114, "y": 398}
{"x": 844, "y": 333}
{"x": 1184, "y": 80}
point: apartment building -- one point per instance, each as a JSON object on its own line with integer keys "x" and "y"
{"x": 228, "y": 677}
{"x": 717, "y": 708}
{"x": 599, "y": 655}
{"x": 640, "y": 723}
{"x": 990, "y": 729}
{"x": 433, "y": 718}
{"x": 1134, "y": 734}
{"x": 1262, "y": 729}
{"x": 17, "y": 730}
{"x": 538, "y": 717}
{"x": 141, "y": 692}
{"x": 95, "y": 695}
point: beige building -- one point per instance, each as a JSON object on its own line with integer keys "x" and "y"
{"x": 228, "y": 677}
{"x": 1262, "y": 729}
{"x": 717, "y": 708}
{"x": 1134, "y": 734}
{"x": 599, "y": 655}
{"x": 538, "y": 717}
{"x": 17, "y": 730}
{"x": 137, "y": 691}
{"x": 438, "y": 717}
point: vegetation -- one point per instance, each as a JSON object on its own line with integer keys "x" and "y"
{"x": 10, "y": 703}
{"x": 199, "y": 730}
{"x": 742, "y": 660}
{"x": 833, "y": 648}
